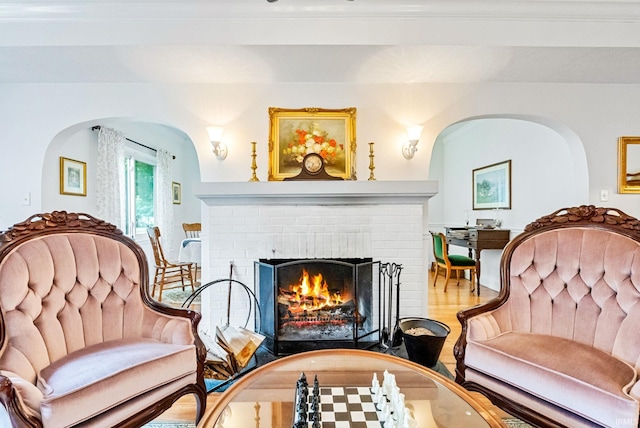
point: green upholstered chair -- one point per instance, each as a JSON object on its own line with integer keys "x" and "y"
{"x": 451, "y": 262}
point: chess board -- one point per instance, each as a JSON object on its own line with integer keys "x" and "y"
{"x": 347, "y": 407}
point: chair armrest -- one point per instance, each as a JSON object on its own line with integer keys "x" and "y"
{"x": 20, "y": 397}
{"x": 478, "y": 322}
{"x": 174, "y": 325}
{"x": 483, "y": 326}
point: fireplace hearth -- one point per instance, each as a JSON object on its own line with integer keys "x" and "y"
{"x": 318, "y": 304}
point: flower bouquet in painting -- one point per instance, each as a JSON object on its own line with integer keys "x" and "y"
{"x": 313, "y": 140}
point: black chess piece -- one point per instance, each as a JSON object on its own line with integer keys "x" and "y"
{"x": 315, "y": 405}
{"x": 302, "y": 406}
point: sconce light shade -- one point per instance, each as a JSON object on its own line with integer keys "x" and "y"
{"x": 410, "y": 148}
{"x": 215, "y": 136}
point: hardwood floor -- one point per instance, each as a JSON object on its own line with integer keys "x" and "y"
{"x": 442, "y": 307}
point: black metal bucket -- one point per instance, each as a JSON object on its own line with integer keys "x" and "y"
{"x": 424, "y": 349}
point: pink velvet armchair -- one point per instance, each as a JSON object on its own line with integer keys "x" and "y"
{"x": 82, "y": 341}
{"x": 560, "y": 345}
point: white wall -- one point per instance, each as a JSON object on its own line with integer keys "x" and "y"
{"x": 33, "y": 114}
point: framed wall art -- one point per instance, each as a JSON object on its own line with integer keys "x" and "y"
{"x": 176, "y": 191}
{"x": 629, "y": 165}
{"x": 492, "y": 186}
{"x": 73, "y": 177}
{"x": 296, "y": 133}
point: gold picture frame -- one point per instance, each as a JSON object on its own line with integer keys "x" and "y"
{"x": 176, "y": 192}
{"x": 629, "y": 165}
{"x": 73, "y": 177}
{"x": 328, "y": 132}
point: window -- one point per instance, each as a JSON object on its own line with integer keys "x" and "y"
{"x": 139, "y": 201}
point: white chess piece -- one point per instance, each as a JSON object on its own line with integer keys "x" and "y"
{"x": 399, "y": 401}
{"x": 398, "y": 413}
{"x": 386, "y": 414}
{"x": 408, "y": 421}
{"x": 386, "y": 378}
{"x": 380, "y": 398}
{"x": 375, "y": 384}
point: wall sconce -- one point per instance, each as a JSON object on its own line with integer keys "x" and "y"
{"x": 215, "y": 136}
{"x": 409, "y": 148}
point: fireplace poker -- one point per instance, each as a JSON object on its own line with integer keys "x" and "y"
{"x": 229, "y": 292}
{"x": 397, "y": 332}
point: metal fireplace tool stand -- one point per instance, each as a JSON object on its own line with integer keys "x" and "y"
{"x": 390, "y": 281}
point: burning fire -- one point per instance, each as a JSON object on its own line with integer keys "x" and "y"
{"x": 313, "y": 292}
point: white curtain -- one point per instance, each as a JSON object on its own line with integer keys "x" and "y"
{"x": 110, "y": 176}
{"x": 164, "y": 203}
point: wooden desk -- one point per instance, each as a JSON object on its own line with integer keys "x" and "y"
{"x": 477, "y": 240}
{"x": 267, "y": 394}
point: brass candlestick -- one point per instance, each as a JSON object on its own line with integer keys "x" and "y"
{"x": 371, "y": 165}
{"x": 254, "y": 177}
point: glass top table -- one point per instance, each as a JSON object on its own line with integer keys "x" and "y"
{"x": 265, "y": 397}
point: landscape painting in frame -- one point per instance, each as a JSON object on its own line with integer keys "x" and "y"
{"x": 296, "y": 133}
{"x": 492, "y": 186}
{"x": 73, "y": 177}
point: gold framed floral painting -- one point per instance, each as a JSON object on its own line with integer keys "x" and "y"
{"x": 296, "y": 133}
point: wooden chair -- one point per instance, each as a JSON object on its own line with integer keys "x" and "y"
{"x": 451, "y": 262}
{"x": 167, "y": 272}
{"x": 192, "y": 230}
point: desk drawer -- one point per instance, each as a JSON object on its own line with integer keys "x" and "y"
{"x": 489, "y": 235}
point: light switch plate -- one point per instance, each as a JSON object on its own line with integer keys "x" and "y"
{"x": 604, "y": 195}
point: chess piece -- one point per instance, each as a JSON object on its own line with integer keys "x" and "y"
{"x": 375, "y": 384}
{"x": 302, "y": 407}
{"x": 315, "y": 405}
{"x": 302, "y": 392}
{"x": 380, "y": 399}
{"x": 387, "y": 383}
{"x": 386, "y": 415}
{"x": 408, "y": 421}
{"x": 303, "y": 379}
{"x": 315, "y": 412}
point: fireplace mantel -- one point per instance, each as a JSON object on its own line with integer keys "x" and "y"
{"x": 315, "y": 192}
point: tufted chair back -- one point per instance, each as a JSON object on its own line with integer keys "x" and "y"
{"x": 65, "y": 291}
{"x": 577, "y": 283}
{"x": 578, "y": 280}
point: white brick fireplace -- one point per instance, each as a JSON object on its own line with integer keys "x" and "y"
{"x": 245, "y": 222}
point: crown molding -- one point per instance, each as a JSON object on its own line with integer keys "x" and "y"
{"x": 540, "y": 10}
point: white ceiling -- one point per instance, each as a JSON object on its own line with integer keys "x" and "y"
{"x": 360, "y": 41}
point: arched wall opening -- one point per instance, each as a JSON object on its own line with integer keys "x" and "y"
{"x": 79, "y": 142}
{"x": 548, "y": 171}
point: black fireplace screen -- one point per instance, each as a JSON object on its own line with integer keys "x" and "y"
{"x": 318, "y": 303}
